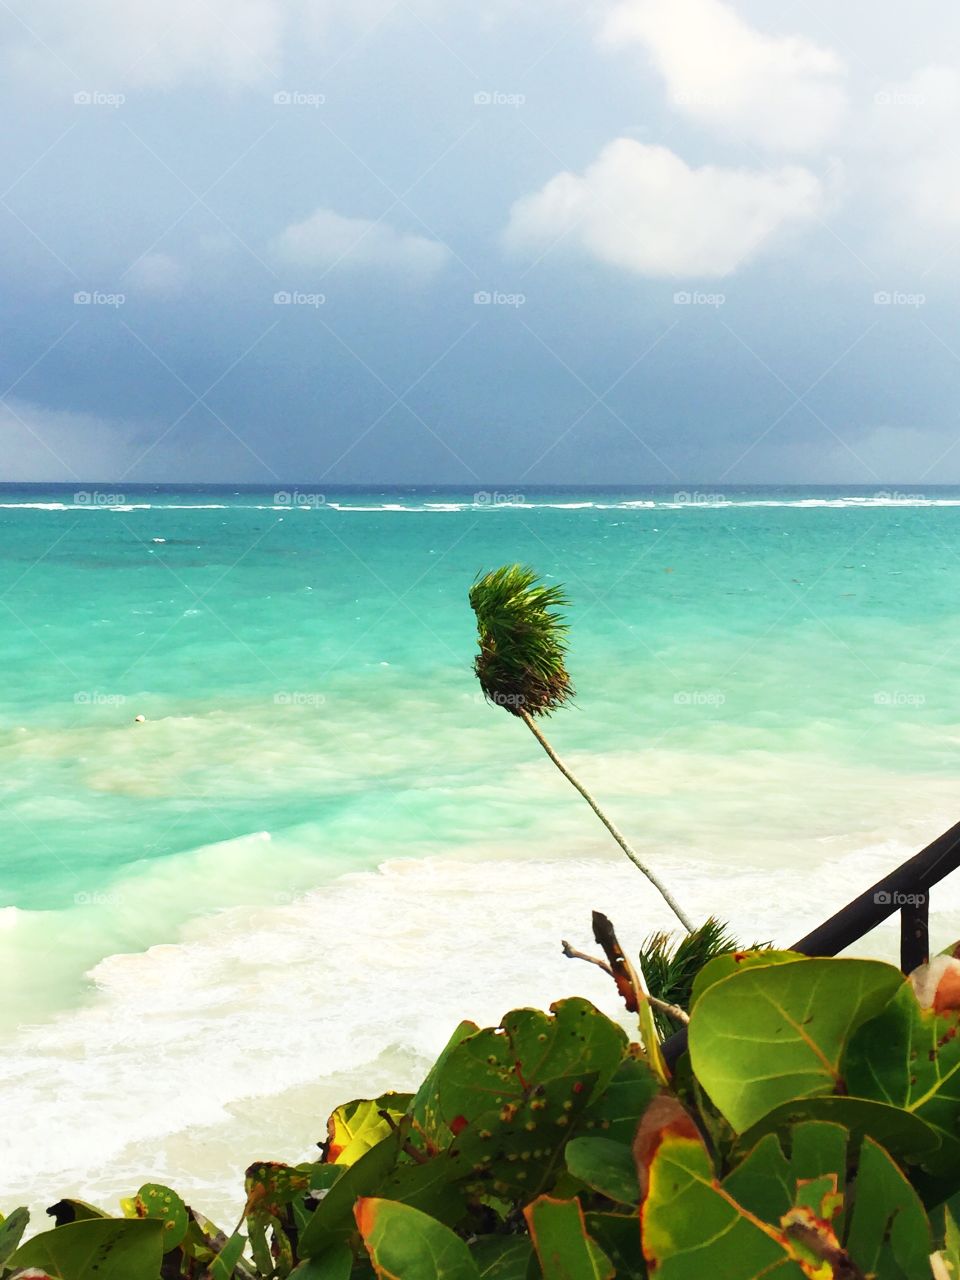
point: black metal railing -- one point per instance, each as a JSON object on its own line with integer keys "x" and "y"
{"x": 905, "y": 890}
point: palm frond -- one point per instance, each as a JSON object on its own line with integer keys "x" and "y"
{"x": 669, "y": 971}
{"x": 522, "y": 638}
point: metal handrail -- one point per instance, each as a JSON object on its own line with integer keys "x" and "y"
{"x": 905, "y": 890}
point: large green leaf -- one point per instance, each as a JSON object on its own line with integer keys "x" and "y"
{"x": 97, "y": 1249}
{"x": 502, "y": 1257}
{"x": 12, "y": 1228}
{"x": 889, "y": 1234}
{"x": 429, "y": 1125}
{"x": 337, "y": 1264}
{"x": 513, "y": 1096}
{"x": 332, "y": 1220}
{"x": 909, "y": 1057}
{"x": 154, "y": 1200}
{"x": 691, "y": 1226}
{"x": 605, "y": 1166}
{"x": 224, "y": 1265}
{"x": 564, "y": 1248}
{"x": 734, "y": 962}
{"x": 405, "y": 1244}
{"x": 906, "y": 1136}
{"x": 618, "y": 1235}
{"x": 766, "y": 1035}
{"x": 616, "y": 1111}
{"x": 357, "y": 1126}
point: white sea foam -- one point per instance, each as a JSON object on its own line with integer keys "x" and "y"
{"x": 234, "y": 1043}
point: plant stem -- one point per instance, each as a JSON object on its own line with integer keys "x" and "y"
{"x": 617, "y": 835}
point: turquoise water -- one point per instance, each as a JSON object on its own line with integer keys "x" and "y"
{"x": 318, "y": 801}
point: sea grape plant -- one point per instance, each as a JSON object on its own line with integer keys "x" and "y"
{"x": 811, "y": 1132}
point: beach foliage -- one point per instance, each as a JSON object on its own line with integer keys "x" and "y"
{"x": 810, "y": 1131}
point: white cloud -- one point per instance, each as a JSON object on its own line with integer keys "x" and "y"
{"x": 159, "y": 275}
{"x": 641, "y": 207}
{"x": 778, "y": 91}
{"x": 327, "y": 239}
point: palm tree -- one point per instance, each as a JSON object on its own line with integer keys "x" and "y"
{"x": 521, "y": 667}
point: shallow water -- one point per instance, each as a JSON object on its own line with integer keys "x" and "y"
{"x": 321, "y": 849}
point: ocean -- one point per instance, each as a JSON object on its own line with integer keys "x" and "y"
{"x": 320, "y": 849}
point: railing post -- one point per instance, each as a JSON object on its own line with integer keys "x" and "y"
{"x": 914, "y": 932}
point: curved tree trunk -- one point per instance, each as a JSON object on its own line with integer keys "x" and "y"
{"x": 617, "y": 835}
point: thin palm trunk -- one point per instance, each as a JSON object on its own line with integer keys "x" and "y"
{"x": 617, "y": 835}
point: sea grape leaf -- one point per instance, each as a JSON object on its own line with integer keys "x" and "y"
{"x": 97, "y": 1249}
{"x": 156, "y": 1201}
{"x": 731, "y": 962}
{"x": 904, "y": 1135}
{"x": 889, "y": 1234}
{"x": 357, "y": 1126}
{"x": 909, "y": 1057}
{"x": 12, "y": 1228}
{"x": 65, "y": 1211}
{"x": 564, "y": 1248}
{"x": 763, "y": 1182}
{"x": 223, "y": 1266}
{"x": 405, "y": 1244}
{"x": 512, "y": 1096}
{"x": 946, "y": 1262}
{"x": 618, "y": 1235}
{"x": 332, "y": 1220}
{"x": 605, "y": 1166}
{"x": 502, "y": 1257}
{"x": 616, "y": 1112}
{"x": 424, "y": 1109}
{"x": 770, "y": 1034}
{"x": 691, "y": 1226}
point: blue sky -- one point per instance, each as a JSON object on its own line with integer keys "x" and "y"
{"x": 636, "y": 241}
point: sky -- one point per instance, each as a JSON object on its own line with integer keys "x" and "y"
{"x": 541, "y": 242}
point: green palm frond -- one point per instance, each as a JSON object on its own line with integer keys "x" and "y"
{"x": 669, "y": 971}
{"x": 522, "y": 639}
